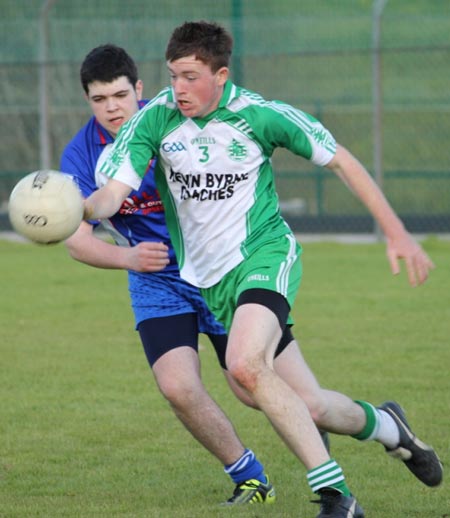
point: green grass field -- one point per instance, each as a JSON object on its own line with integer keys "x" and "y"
{"x": 85, "y": 433}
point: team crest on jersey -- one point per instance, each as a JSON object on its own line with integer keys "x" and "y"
{"x": 237, "y": 151}
{"x": 116, "y": 158}
{"x": 321, "y": 135}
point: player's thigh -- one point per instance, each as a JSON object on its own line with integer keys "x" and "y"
{"x": 292, "y": 367}
{"x": 171, "y": 347}
{"x": 159, "y": 335}
{"x": 254, "y": 335}
{"x": 259, "y": 323}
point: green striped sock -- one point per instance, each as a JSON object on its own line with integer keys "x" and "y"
{"x": 371, "y": 428}
{"x": 328, "y": 475}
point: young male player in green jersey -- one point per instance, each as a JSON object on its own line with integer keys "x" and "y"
{"x": 214, "y": 142}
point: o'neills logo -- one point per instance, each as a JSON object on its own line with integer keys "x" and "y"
{"x": 258, "y": 277}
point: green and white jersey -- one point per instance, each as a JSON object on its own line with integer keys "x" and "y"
{"x": 215, "y": 175}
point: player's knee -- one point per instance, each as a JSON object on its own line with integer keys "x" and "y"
{"x": 243, "y": 396}
{"x": 177, "y": 392}
{"x": 245, "y": 371}
{"x": 318, "y": 409}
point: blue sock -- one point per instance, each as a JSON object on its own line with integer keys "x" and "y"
{"x": 245, "y": 468}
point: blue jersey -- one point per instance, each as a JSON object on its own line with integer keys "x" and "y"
{"x": 141, "y": 217}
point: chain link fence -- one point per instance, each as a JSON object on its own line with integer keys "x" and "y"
{"x": 375, "y": 72}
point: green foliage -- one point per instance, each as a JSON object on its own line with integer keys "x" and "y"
{"x": 85, "y": 432}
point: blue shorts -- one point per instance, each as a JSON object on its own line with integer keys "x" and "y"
{"x": 170, "y": 313}
{"x": 159, "y": 295}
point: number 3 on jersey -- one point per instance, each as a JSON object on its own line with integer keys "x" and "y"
{"x": 205, "y": 154}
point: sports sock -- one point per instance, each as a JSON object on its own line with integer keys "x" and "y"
{"x": 370, "y": 428}
{"x": 380, "y": 426}
{"x": 246, "y": 468}
{"x": 329, "y": 476}
{"x": 388, "y": 433}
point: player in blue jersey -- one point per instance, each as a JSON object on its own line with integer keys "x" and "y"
{"x": 214, "y": 142}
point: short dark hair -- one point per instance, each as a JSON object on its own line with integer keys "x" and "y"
{"x": 107, "y": 63}
{"x": 207, "y": 41}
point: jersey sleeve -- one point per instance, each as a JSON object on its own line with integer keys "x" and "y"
{"x": 77, "y": 161}
{"x": 299, "y": 132}
{"x": 74, "y": 162}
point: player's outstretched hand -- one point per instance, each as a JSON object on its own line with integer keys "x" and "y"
{"x": 148, "y": 257}
{"x": 418, "y": 264}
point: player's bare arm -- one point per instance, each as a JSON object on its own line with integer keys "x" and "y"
{"x": 400, "y": 244}
{"x": 87, "y": 248}
{"x": 106, "y": 201}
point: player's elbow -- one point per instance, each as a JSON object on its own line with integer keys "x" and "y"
{"x": 74, "y": 247}
{"x": 80, "y": 241}
{"x": 106, "y": 201}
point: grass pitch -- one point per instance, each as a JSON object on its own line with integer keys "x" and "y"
{"x": 84, "y": 431}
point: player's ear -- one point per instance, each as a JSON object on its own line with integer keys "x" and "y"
{"x": 222, "y": 75}
{"x": 139, "y": 89}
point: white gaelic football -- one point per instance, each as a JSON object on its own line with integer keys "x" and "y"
{"x": 46, "y": 207}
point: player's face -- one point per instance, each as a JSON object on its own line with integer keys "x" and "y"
{"x": 197, "y": 89}
{"x": 114, "y": 103}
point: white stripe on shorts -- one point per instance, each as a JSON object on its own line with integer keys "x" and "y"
{"x": 286, "y": 266}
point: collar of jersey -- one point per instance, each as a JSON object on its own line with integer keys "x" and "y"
{"x": 101, "y": 136}
{"x": 229, "y": 93}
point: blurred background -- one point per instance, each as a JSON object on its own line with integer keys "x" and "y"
{"x": 375, "y": 72}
